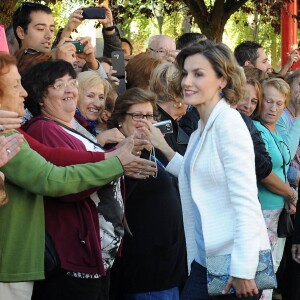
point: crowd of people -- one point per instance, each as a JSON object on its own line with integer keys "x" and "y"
{"x": 97, "y": 203}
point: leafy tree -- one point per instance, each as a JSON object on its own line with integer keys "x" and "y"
{"x": 210, "y": 15}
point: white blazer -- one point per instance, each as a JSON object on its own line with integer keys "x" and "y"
{"x": 223, "y": 187}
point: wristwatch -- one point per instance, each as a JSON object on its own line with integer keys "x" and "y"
{"x": 110, "y": 28}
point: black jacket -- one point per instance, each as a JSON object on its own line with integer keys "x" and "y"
{"x": 263, "y": 162}
{"x": 178, "y": 140}
{"x": 153, "y": 258}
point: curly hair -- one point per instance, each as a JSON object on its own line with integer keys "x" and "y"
{"x": 165, "y": 82}
{"x": 223, "y": 63}
{"x": 39, "y": 77}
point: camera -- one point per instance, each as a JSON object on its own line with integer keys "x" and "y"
{"x": 94, "y": 13}
{"x": 164, "y": 126}
{"x": 79, "y": 46}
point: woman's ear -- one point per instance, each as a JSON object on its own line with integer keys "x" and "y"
{"x": 223, "y": 83}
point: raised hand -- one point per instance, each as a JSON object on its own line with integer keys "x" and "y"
{"x": 75, "y": 19}
{"x": 135, "y": 167}
{"x": 66, "y": 50}
{"x": 88, "y": 53}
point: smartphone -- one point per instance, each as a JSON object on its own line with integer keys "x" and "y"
{"x": 79, "y": 46}
{"x": 118, "y": 63}
{"x": 93, "y": 13}
{"x": 164, "y": 126}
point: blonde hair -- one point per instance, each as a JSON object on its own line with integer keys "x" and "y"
{"x": 165, "y": 82}
{"x": 280, "y": 85}
{"x": 88, "y": 79}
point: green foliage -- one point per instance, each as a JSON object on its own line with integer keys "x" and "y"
{"x": 245, "y": 25}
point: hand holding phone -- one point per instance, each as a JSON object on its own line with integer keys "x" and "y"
{"x": 79, "y": 46}
{"x": 164, "y": 126}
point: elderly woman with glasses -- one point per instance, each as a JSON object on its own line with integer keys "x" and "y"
{"x": 152, "y": 264}
{"x": 276, "y": 96}
{"x": 87, "y": 254}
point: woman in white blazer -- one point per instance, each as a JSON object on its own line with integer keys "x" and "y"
{"x": 217, "y": 181}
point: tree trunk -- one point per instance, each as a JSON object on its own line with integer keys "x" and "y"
{"x": 158, "y": 11}
{"x": 212, "y": 20}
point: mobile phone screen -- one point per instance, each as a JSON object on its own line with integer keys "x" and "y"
{"x": 93, "y": 13}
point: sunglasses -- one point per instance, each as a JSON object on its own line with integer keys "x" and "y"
{"x": 24, "y": 5}
{"x": 31, "y": 51}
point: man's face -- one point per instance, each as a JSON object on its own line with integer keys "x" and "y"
{"x": 40, "y": 32}
{"x": 163, "y": 47}
{"x": 126, "y": 48}
{"x": 262, "y": 62}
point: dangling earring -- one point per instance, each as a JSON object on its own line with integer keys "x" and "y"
{"x": 177, "y": 104}
{"x": 221, "y": 93}
{"x": 120, "y": 125}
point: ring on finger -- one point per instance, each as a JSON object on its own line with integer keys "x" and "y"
{"x": 2, "y": 128}
{"x": 8, "y": 151}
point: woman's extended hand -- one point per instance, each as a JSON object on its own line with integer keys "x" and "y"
{"x": 243, "y": 287}
{"x": 110, "y": 136}
{"x": 133, "y": 166}
{"x": 156, "y": 138}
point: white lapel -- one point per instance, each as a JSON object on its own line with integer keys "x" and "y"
{"x": 220, "y": 106}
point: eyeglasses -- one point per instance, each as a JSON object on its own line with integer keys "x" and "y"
{"x": 61, "y": 85}
{"x": 139, "y": 116}
{"x": 31, "y": 51}
{"x": 164, "y": 52}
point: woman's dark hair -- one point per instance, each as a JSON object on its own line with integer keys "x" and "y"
{"x": 104, "y": 60}
{"x": 223, "y": 63}
{"x": 126, "y": 100}
{"x": 39, "y": 77}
